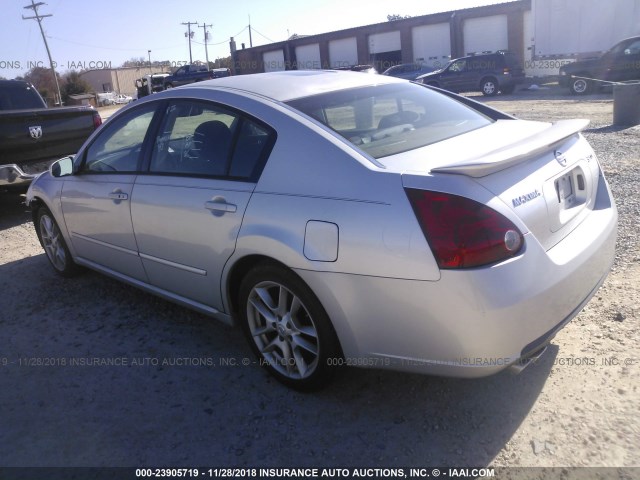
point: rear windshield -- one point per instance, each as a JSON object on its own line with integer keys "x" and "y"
{"x": 385, "y": 120}
{"x": 19, "y": 97}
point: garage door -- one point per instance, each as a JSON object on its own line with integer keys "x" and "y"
{"x": 385, "y": 50}
{"x": 308, "y": 57}
{"x": 431, "y": 44}
{"x": 485, "y": 34}
{"x": 273, "y": 61}
{"x": 343, "y": 52}
{"x": 384, "y": 42}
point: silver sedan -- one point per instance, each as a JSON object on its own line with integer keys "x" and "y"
{"x": 341, "y": 219}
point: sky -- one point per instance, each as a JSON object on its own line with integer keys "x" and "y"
{"x": 90, "y": 34}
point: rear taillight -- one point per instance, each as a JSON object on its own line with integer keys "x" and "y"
{"x": 97, "y": 120}
{"x": 463, "y": 233}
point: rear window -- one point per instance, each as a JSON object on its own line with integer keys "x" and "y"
{"x": 19, "y": 97}
{"x": 385, "y": 120}
{"x": 511, "y": 60}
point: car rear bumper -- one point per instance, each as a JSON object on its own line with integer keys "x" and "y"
{"x": 14, "y": 176}
{"x": 475, "y": 322}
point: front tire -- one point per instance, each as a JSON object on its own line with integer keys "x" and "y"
{"x": 580, "y": 86}
{"x": 287, "y": 328}
{"x": 54, "y": 245}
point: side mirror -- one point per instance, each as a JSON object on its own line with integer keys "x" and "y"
{"x": 62, "y": 167}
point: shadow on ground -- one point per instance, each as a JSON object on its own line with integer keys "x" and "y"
{"x": 96, "y": 373}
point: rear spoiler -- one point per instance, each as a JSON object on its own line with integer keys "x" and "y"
{"x": 518, "y": 152}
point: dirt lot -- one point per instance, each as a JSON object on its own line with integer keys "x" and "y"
{"x": 183, "y": 395}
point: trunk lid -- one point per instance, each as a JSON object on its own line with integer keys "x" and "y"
{"x": 546, "y": 174}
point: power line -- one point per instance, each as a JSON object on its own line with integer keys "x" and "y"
{"x": 254, "y": 29}
{"x": 38, "y": 17}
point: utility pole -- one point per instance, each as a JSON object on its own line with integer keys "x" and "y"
{"x": 189, "y": 35}
{"x": 149, "y": 53}
{"x": 206, "y": 37}
{"x": 38, "y": 17}
{"x": 250, "y": 41}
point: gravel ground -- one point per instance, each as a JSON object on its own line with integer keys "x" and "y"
{"x": 183, "y": 396}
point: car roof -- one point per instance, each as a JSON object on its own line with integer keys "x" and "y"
{"x": 293, "y": 84}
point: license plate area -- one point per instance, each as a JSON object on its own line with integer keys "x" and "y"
{"x": 566, "y": 196}
{"x": 565, "y": 190}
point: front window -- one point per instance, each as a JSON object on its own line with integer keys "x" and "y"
{"x": 118, "y": 148}
{"x": 458, "y": 66}
{"x": 389, "y": 119}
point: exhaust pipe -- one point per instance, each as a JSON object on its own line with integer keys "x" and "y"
{"x": 522, "y": 363}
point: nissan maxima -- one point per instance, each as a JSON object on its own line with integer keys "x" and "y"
{"x": 341, "y": 219}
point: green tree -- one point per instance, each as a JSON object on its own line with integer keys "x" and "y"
{"x": 136, "y": 62}
{"x": 392, "y": 18}
{"x": 42, "y": 79}
{"x": 73, "y": 84}
{"x": 221, "y": 62}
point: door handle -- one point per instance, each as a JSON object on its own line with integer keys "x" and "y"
{"x": 117, "y": 195}
{"x": 220, "y": 206}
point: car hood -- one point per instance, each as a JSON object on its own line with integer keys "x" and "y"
{"x": 431, "y": 74}
{"x": 581, "y": 65}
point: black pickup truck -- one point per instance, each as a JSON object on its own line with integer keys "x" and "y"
{"x": 33, "y": 136}
{"x": 620, "y": 64}
{"x": 193, "y": 73}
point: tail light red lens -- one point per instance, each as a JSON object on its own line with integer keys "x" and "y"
{"x": 463, "y": 233}
{"x": 97, "y": 120}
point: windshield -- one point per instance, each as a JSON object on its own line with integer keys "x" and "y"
{"x": 389, "y": 119}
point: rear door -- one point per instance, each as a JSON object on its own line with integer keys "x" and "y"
{"x": 96, "y": 202}
{"x": 187, "y": 208}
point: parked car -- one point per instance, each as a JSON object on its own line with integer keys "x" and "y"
{"x": 123, "y": 99}
{"x": 488, "y": 73}
{"x": 220, "y": 72}
{"x": 106, "y": 98}
{"x": 148, "y": 84}
{"x": 188, "y": 74}
{"x": 33, "y": 136}
{"x": 409, "y": 71}
{"x": 620, "y": 64}
{"x": 358, "y": 68}
{"x": 341, "y": 219}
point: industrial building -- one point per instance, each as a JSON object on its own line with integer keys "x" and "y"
{"x": 121, "y": 80}
{"x": 431, "y": 39}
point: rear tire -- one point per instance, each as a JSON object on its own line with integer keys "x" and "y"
{"x": 287, "y": 328}
{"x": 54, "y": 245}
{"x": 489, "y": 87}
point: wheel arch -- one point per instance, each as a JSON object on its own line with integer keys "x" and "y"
{"x": 239, "y": 269}
{"x": 489, "y": 77}
{"x": 35, "y": 204}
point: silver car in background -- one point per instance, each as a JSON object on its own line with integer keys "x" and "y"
{"x": 341, "y": 219}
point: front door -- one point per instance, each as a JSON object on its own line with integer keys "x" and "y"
{"x": 97, "y": 200}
